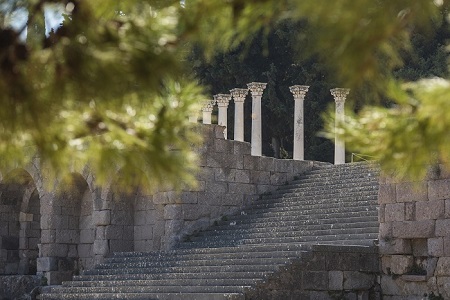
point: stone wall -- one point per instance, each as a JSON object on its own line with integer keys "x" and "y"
{"x": 415, "y": 237}
{"x": 324, "y": 272}
{"x": 57, "y": 229}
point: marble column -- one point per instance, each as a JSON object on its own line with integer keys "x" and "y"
{"x": 222, "y": 102}
{"x": 207, "y": 108}
{"x": 339, "y": 95}
{"x": 239, "y": 98}
{"x": 257, "y": 89}
{"x": 299, "y": 92}
{"x": 193, "y": 118}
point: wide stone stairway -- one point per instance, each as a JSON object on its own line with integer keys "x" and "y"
{"x": 330, "y": 205}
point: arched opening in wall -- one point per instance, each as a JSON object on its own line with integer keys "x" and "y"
{"x": 72, "y": 222}
{"x": 20, "y": 230}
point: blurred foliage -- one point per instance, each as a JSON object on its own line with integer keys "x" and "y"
{"x": 111, "y": 87}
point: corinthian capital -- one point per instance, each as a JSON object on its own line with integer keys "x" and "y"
{"x": 239, "y": 94}
{"x": 223, "y": 100}
{"x": 339, "y": 94}
{"x": 208, "y": 105}
{"x": 257, "y": 88}
{"x": 299, "y": 91}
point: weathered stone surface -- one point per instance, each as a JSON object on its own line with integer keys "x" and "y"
{"x": 47, "y": 264}
{"x": 102, "y": 217}
{"x": 400, "y": 264}
{"x": 386, "y": 193}
{"x": 17, "y": 287}
{"x": 358, "y": 281}
{"x": 394, "y": 212}
{"x": 429, "y": 210}
{"x": 443, "y": 267}
{"x": 435, "y": 247}
{"x": 420, "y": 247}
{"x": 439, "y": 189}
{"x": 413, "y": 229}
{"x": 443, "y": 285}
{"x": 410, "y": 208}
{"x": 335, "y": 280}
{"x": 57, "y": 277}
{"x": 395, "y": 246}
{"x": 315, "y": 280}
{"x": 412, "y": 191}
{"x": 101, "y": 247}
{"x": 172, "y": 211}
{"x": 443, "y": 227}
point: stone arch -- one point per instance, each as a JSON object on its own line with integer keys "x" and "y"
{"x": 68, "y": 230}
{"x": 20, "y": 223}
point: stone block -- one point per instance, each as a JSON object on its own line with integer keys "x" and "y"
{"x": 413, "y": 229}
{"x": 114, "y": 232}
{"x": 121, "y": 245}
{"x": 301, "y": 167}
{"x": 411, "y": 191}
{"x": 439, "y": 189}
{"x": 194, "y": 212}
{"x": 443, "y": 227}
{"x": 241, "y": 188}
{"x": 173, "y": 226}
{"x": 85, "y": 250}
{"x": 242, "y": 176}
{"x": 443, "y": 267}
{"x": 101, "y": 247}
{"x": 385, "y": 264}
{"x": 435, "y": 247}
{"x": 389, "y": 286}
{"x": 358, "y": 281}
{"x": 394, "y": 212}
{"x": 52, "y": 250}
{"x": 429, "y": 210}
{"x": 446, "y": 246}
{"x": 381, "y": 213}
{"x": 172, "y": 211}
{"x": 233, "y": 200}
{"x": 443, "y": 285}
{"x": 386, "y": 193}
{"x": 241, "y": 148}
{"x": 283, "y": 166}
{"x": 419, "y": 247}
{"x": 315, "y": 280}
{"x": 102, "y": 217}
{"x": 216, "y": 187}
{"x": 140, "y": 218}
{"x": 260, "y": 177}
{"x": 87, "y": 236}
{"x": 209, "y": 199}
{"x": 223, "y": 146}
{"x": 278, "y": 178}
{"x": 143, "y": 232}
{"x": 166, "y": 197}
{"x": 10, "y": 242}
{"x": 190, "y": 197}
{"x": 263, "y": 189}
{"x": 45, "y": 264}
{"x": 57, "y": 277}
{"x": 395, "y": 246}
{"x": 100, "y": 232}
{"x": 73, "y": 251}
{"x": 335, "y": 280}
{"x": 266, "y": 163}
{"x": 410, "y": 209}
{"x": 67, "y": 236}
{"x": 447, "y": 209}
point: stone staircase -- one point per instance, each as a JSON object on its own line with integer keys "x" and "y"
{"x": 334, "y": 205}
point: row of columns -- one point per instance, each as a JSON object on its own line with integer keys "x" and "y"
{"x": 257, "y": 89}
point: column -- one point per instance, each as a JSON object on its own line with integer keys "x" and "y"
{"x": 299, "y": 92}
{"x": 339, "y": 95}
{"x": 207, "y": 108}
{"x": 193, "y": 118}
{"x": 222, "y": 103}
{"x": 239, "y": 98}
{"x": 256, "y": 89}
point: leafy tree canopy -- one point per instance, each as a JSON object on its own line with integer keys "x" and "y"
{"x": 111, "y": 87}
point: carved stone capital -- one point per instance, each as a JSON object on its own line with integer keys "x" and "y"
{"x": 339, "y": 94}
{"x": 223, "y": 100}
{"x": 208, "y": 105}
{"x": 299, "y": 91}
{"x": 257, "y": 88}
{"x": 239, "y": 94}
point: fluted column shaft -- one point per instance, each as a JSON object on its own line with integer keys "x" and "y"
{"x": 222, "y": 102}
{"x": 239, "y": 98}
{"x": 339, "y": 95}
{"x": 299, "y": 92}
{"x": 257, "y": 89}
{"x": 207, "y": 109}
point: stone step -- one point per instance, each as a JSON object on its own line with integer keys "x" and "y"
{"x": 152, "y": 289}
{"x": 318, "y": 215}
{"x": 317, "y": 179}
{"x": 187, "y": 269}
{"x": 328, "y": 183}
{"x": 232, "y": 249}
{"x": 211, "y": 256}
{"x": 276, "y": 240}
{"x": 146, "y": 296}
{"x": 193, "y": 263}
{"x": 309, "y": 205}
{"x": 323, "y": 192}
{"x": 170, "y": 276}
{"x": 281, "y": 203}
{"x": 281, "y": 229}
{"x": 187, "y": 281}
